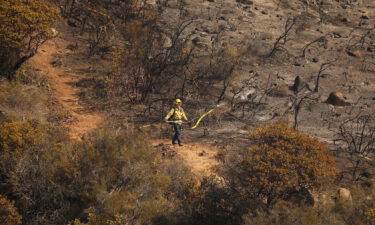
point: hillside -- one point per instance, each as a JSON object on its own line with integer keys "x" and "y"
{"x": 85, "y": 86}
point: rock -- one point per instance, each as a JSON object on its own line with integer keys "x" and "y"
{"x": 299, "y": 85}
{"x": 315, "y": 60}
{"x": 2, "y": 115}
{"x": 280, "y": 91}
{"x": 219, "y": 181}
{"x": 367, "y": 174}
{"x": 201, "y": 41}
{"x": 54, "y": 32}
{"x": 227, "y": 12}
{"x": 173, "y": 4}
{"x": 151, "y": 2}
{"x": 337, "y": 99}
{"x": 264, "y": 12}
{"x": 167, "y": 42}
{"x": 72, "y": 47}
{"x": 344, "y": 194}
{"x": 246, "y": 2}
{"x": 345, "y": 20}
{"x": 364, "y": 23}
{"x": 203, "y": 153}
{"x": 336, "y": 35}
{"x": 354, "y": 53}
{"x": 56, "y": 63}
{"x": 365, "y": 17}
{"x": 245, "y": 94}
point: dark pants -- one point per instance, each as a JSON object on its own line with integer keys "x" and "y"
{"x": 177, "y": 134}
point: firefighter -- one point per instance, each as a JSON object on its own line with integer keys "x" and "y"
{"x": 175, "y": 117}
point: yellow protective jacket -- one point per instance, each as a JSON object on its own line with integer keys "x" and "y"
{"x": 178, "y": 114}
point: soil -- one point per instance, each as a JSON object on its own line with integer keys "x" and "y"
{"x": 199, "y": 157}
{"x": 64, "y": 88}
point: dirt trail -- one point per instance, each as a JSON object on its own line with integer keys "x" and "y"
{"x": 199, "y": 157}
{"x": 64, "y": 89}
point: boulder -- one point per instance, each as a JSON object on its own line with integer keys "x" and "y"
{"x": 355, "y": 53}
{"x": 54, "y": 32}
{"x": 299, "y": 85}
{"x": 2, "y": 115}
{"x": 344, "y": 194}
{"x": 280, "y": 91}
{"x": 201, "y": 42}
{"x": 219, "y": 181}
{"x": 337, "y": 99}
{"x": 167, "y": 42}
{"x": 371, "y": 49}
{"x": 151, "y": 2}
{"x": 246, "y": 2}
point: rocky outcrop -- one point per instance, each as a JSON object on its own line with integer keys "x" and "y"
{"x": 299, "y": 85}
{"x": 246, "y": 2}
{"x": 280, "y": 91}
{"x": 344, "y": 194}
{"x": 337, "y": 99}
{"x": 202, "y": 42}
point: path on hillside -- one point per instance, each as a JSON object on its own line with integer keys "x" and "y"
{"x": 199, "y": 157}
{"x": 64, "y": 88}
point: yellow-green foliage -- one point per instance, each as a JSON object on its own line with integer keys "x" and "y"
{"x": 283, "y": 159}
{"x": 24, "y": 20}
{"x": 17, "y": 137}
{"x": 8, "y": 213}
{"x": 112, "y": 176}
{"x": 24, "y": 26}
{"x": 117, "y": 171}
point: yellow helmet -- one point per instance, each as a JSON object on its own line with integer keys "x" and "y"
{"x": 177, "y": 101}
